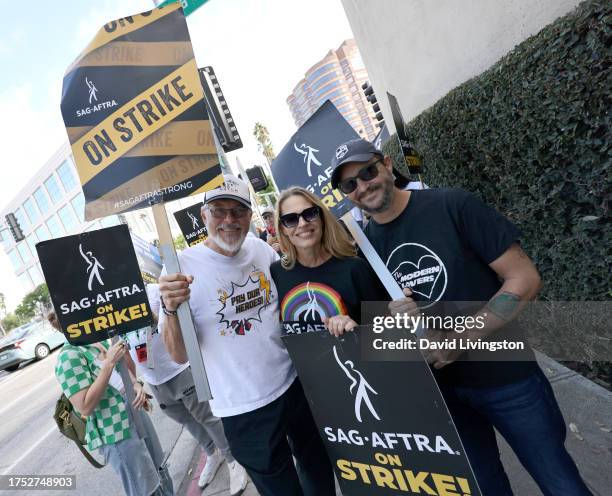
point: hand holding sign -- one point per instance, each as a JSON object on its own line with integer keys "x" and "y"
{"x": 339, "y": 324}
{"x": 114, "y": 354}
{"x": 174, "y": 290}
{"x": 142, "y": 398}
{"x": 404, "y": 305}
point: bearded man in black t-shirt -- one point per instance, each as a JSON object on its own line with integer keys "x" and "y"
{"x": 442, "y": 246}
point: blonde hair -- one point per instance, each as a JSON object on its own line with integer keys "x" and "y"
{"x": 335, "y": 239}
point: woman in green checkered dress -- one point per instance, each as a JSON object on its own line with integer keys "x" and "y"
{"x": 88, "y": 378}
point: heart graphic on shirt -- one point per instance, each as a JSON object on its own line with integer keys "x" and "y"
{"x": 425, "y": 262}
{"x": 430, "y": 268}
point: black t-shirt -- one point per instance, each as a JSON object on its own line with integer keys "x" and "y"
{"x": 336, "y": 287}
{"x": 440, "y": 247}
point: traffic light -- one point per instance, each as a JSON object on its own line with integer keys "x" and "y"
{"x": 368, "y": 91}
{"x": 218, "y": 111}
{"x": 14, "y": 227}
{"x": 413, "y": 159}
{"x": 257, "y": 177}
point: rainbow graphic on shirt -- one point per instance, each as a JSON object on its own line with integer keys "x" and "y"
{"x": 311, "y": 301}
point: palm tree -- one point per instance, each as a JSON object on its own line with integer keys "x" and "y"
{"x": 2, "y": 312}
{"x": 261, "y": 134}
{"x": 2, "y": 306}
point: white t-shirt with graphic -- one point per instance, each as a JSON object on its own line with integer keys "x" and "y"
{"x": 234, "y": 304}
{"x": 153, "y": 363}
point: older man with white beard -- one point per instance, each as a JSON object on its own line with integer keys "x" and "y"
{"x": 255, "y": 389}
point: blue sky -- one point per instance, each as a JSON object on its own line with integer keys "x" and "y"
{"x": 252, "y": 44}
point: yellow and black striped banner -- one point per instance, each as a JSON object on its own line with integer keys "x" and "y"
{"x": 133, "y": 107}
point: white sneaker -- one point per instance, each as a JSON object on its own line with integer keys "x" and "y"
{"x": 238, "y": 478}
{"x": 213, "y": 463}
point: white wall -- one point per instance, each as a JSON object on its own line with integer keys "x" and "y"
{"x": 419, "y": 50}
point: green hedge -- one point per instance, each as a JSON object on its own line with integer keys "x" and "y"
{"x": 531, "y": 136}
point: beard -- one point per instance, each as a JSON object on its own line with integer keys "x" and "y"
{"x": 231, "y": 247}
{"x": 383, "y": 204}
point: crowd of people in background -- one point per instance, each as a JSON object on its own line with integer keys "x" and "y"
{"x": 259, "y": 421}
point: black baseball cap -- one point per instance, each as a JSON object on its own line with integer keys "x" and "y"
{"x": 357, "y": 150}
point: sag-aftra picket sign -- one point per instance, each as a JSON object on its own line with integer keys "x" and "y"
{"x": 95, "y": 284}
{"x": 384, "y": 423}
{"x": 134, "y": 111}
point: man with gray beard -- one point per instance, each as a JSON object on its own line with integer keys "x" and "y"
{"x": 255, "y": 389}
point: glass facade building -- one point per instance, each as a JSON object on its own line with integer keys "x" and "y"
{"x": 52, "y": 205}
{"x": 337, "y": 77}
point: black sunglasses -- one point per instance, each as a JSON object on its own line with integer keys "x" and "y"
{"x": 293, "y": 219}
{"x": 366, "y": 174}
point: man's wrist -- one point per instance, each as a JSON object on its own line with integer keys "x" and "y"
{"x": 165, "y": 309}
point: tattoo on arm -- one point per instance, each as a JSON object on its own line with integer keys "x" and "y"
{"x": 504, "y": 305}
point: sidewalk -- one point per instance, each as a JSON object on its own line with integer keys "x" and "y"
{"x": 587, "y": 410}
{"x": 586, "y": 407}
{"x": 219, "y": 485}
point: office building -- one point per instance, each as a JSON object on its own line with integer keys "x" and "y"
{"x": 337, "y": 77}
{"x": 51, "y": 205}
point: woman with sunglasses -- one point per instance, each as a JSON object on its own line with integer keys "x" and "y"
{"x": 320, "y": 280}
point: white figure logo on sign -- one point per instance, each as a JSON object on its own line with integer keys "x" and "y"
{"x": 93, "y": 267}
{"x": 194, "y": 221}
{"x": 357, "y": 379}
{"x": 308, "y": 152}
{"x": 92, "y": 90}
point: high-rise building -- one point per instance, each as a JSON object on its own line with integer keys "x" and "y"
{"x": 51, "y": 205}
{"x": 337, "y": 77}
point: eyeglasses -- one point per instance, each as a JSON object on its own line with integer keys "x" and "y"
{"x": 366, "y": 174}
{"x": 221, "y": 213}
{"x": 293, "y": 219}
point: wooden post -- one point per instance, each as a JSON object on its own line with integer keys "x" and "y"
{"x": 168, "y": 253}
